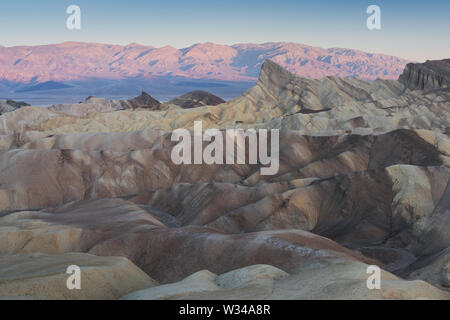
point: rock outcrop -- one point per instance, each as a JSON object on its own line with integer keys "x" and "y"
{"x": 11, "y": 105}
{"x": 196, "y": 99}
{"x": 144, "y": 101}
{"x": 430, "y": 75}
{"x": 101, "y": 105}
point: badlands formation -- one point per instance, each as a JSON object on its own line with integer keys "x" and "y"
{"x": 363, "y": 180}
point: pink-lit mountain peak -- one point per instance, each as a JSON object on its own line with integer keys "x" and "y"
{"x": 241, "y": 62}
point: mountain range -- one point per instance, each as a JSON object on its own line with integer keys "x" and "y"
{"x": 67, "y": 66}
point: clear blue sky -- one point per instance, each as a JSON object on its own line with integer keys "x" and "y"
{"x": 416, "y": 30}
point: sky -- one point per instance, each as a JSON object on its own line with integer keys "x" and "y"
{"x": 415, "y": 30}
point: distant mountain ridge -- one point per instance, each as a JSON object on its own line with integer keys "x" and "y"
{"x": 76, "y": 61}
